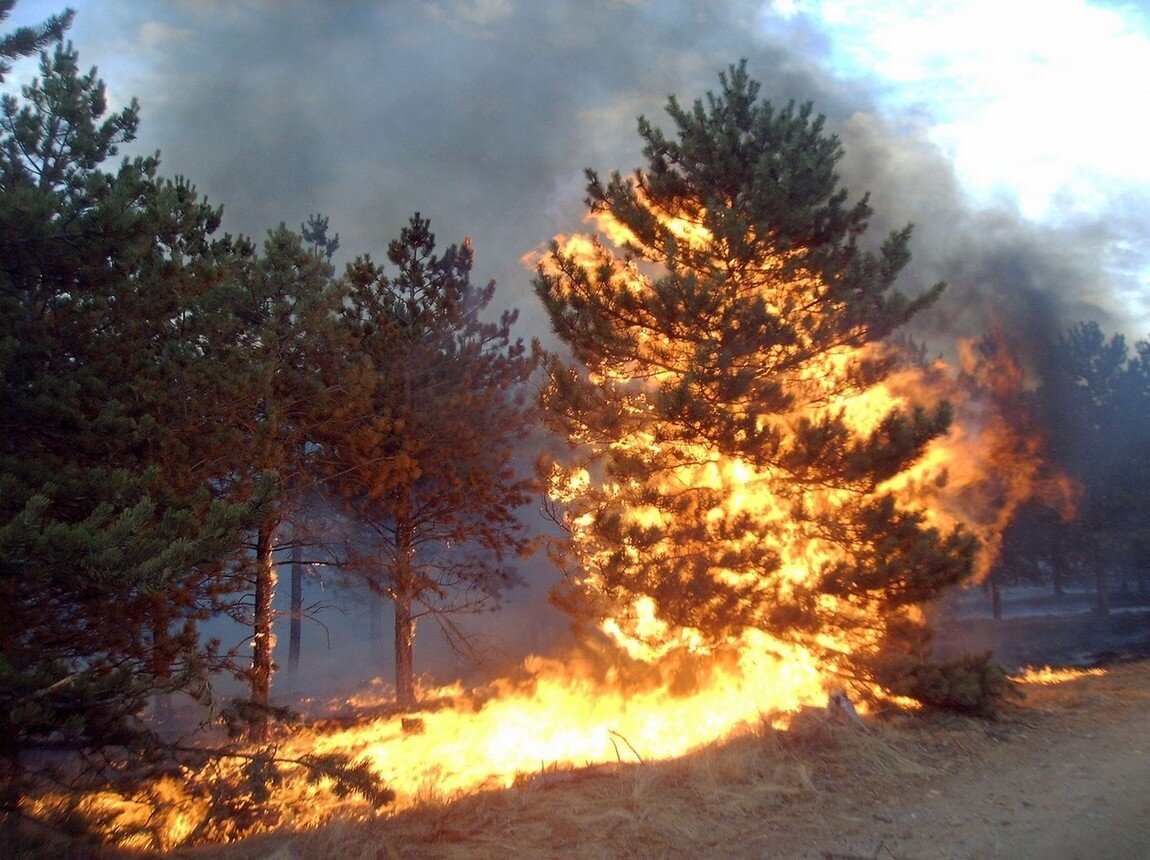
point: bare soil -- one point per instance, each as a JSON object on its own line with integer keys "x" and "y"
{"x": 1063, "y": 774}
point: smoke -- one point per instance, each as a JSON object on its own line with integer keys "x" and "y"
{"x": 482, "y": 115}
{"x": 1030, "y": 280}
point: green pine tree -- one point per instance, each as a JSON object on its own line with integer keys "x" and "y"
{"x": 27, "y": 41}
{"x": 422, "y": 449}
{"x": 283, "y": 353}
{"x": 113, "y": 538}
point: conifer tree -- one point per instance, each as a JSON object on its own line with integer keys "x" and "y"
{"x": 26, "y": 41}
{"x": 421, "y": 450}
{"x": 277, "y": 347}
{"x": 727, "y": 478}
{"x": 315, "y": 235}
{"x": 1096, "y": 399}
{"x": 113, "y": 541}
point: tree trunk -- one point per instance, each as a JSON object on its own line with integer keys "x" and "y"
{"x": 263, "y": 640}
{"x": 403, "y": 583}
{"x": 296, "y": 606}
{"x": 404, "y": 641}
{"x": 1102, "y": 598}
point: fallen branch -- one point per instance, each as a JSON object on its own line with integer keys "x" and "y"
{"x": 614, "y": 734}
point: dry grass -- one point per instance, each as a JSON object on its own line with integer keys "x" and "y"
{"x": 822, "y": 788}
{"x": 721, "y": 800}
{"x": 825, "y": 787}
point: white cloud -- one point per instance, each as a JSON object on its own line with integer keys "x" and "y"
{"x": 1044, "y": 100}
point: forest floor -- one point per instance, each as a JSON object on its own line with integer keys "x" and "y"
{"x": 1063, "y": 773}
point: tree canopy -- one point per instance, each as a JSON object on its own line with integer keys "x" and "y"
{"x": 424, "y": 447}
{"x": 734, "y": 458}
{"x": 111, "y": 546}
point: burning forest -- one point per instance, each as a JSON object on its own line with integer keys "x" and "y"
{"x": 758, "y": 486}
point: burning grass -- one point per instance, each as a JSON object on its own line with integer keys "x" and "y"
{"x": 727, "y": 797}
{"x": 723, "y": 799}
{"x": 553, "y": 718}
{"x": 1047, "y": 675}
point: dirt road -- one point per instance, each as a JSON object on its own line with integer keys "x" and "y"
{"x": 1067, "y": 777}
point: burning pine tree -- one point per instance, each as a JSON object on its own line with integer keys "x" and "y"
{"x": 739, "y": 410}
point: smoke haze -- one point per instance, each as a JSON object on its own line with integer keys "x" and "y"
{"x": 482, "y": 115}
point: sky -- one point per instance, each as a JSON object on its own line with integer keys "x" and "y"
{"x": 1011, "y": 134}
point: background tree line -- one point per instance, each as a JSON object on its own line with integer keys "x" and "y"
{"x": 1094, "y": 403}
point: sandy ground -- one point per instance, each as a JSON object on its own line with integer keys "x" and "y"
{"x": 1067, "y": 775}
{"x": 1064, "y": 774}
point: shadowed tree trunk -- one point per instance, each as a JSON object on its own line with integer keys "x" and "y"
{"x": 263, "y": 640}
{"x": 296, "y": 606}
{"x": 404, "y": 622}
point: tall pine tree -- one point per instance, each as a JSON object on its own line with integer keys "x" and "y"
{"x": 730, "y": 470}
{"x": 278, "y": 352}
{"x": 111, "y": 548}
{"x": 422, "y": 449}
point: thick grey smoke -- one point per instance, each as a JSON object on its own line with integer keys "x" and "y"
{"x": 482, "y": 115}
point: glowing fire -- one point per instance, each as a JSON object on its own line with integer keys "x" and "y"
{"x": 975, "y": 476}
{"x": 561, "y": 714}
{"x": 1047, "y": 676}
{"x": 564, "y": 716}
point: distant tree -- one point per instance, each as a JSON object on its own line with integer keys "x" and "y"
{"x": 1096, "y": 402}
{"x": 1136, "y": 395}
{"x": 722, "y": 483}
{"x": 276, "y": 347}
{"x": 113, "y": 538}
{"x": 315, "y": 234}
{"x": 421, "y": 449}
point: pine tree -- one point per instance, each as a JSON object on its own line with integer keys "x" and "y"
{"x": 27, "y": 41}
{"x": 315, "y": 234}
{"x": 731, "y": 467}
{"x": 422, "y": 449}
{"x": 282, "y": 352}
{"x": 1096, "y": 398}
{"x": 110, "y": 547}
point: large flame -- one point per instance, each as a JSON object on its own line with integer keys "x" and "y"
{"x": 975, "y": 476}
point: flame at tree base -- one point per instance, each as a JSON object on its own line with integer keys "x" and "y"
{"x": 565, "y": 714}
{"x": 557, "y": 714}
